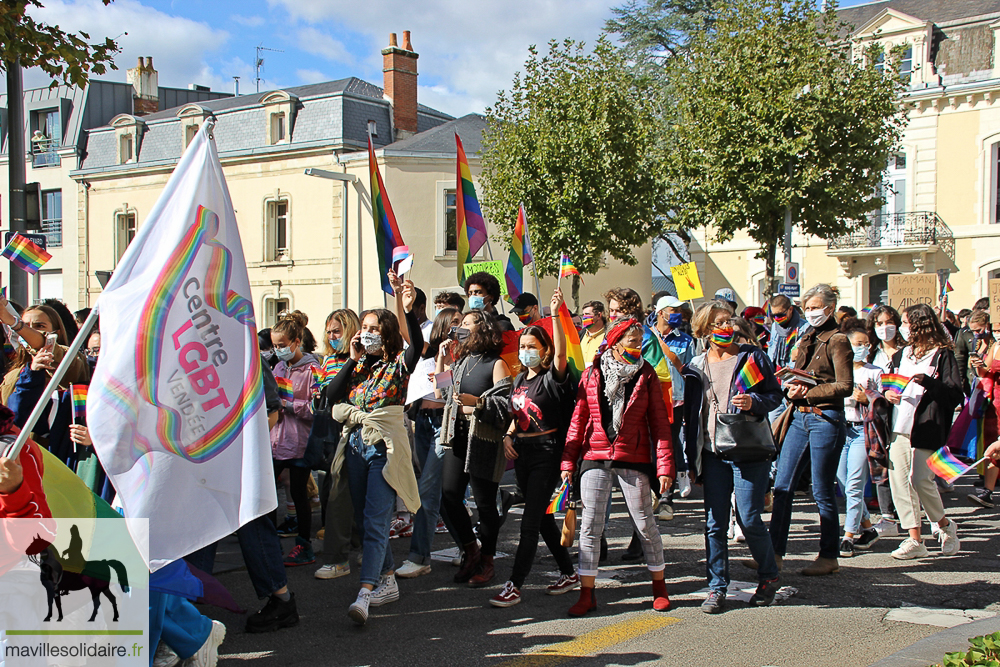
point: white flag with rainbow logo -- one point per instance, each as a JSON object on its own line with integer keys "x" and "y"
{"x": 176, "y": 408}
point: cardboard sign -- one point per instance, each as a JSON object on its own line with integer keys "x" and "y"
{"x": 687, "y": 282}
{"x": 994, "y": 292}
{"x": 494, "y": 268}
{"x": 908, "y": 289}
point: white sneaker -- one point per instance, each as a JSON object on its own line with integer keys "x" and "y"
{"x": 948, "y": 537}
{"x": 887, "y": 528}
{"x": 738, "y": 532}
{"x": 208, "y": 654}
{"x": 666, "y": 511}
{"x": 909, "y": 549}
{"x": 409, "y": 570}
{"x": 387, "y": 591}
{"x": 333, "y": 571}
{"x": 358, "y": 612}
{"x": 165, "y": 656}
{"x": 684, "y": 483}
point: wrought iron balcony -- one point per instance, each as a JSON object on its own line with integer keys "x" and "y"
{"x": 43, "y": 153}
{"x": 898, "y": 230}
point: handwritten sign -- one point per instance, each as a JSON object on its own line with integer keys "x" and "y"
{"x": 909, "y": 289}
{"x": 994, "y": 292}
{"x": 493, "y": 268}
{"x": 687, "y": 282}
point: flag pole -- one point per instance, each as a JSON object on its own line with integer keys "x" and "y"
{"x": 72, "y": 404}
{"x": 57, "y": 376}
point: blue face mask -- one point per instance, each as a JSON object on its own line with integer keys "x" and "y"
{"x": 477, "y": 302}
{"x": 529, "y": 358}
{"x": 284, "y": 353}
{"x": 675, "y": 320}
{"x": 336, "y": 344}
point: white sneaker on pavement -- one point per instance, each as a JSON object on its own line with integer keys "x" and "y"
{"x": 887, "y": 528}
{"x": 165, "y": 656}
{"x": 409, "y": 570}
{"x": 208, "y": 654}
{"x": 910, "y": 549}
{"x": 948, "y": 536}
{"x": 333, "y": 571}
{"x": 358, "y": 611}
{"x": 387, "y": 591}
{"x": 684, "y": 483}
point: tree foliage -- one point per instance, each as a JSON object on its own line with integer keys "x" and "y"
{"x": 62, "y": 55}
{"x": 654, "y": 31}
{"x": 575, "y": 141}
{"x": 771, "y": 112}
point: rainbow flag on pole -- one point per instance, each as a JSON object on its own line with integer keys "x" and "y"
{"x": 519, "y": 257}
{"x": 469, "y": 224}
{"x": 944, "y": 464}
{"x": 574, "y": 352}
{"x": 285, "y": 391}
{"x": 387, "y": 236}
{"x": 25, "y": 254}
{"x": 559, "y": 503}
{"x": 895, "y": 382}
{"x": 653, "y": 353}
{"x": 566, "y": 267}
{"x": 79, "y": 394}
{"x": 748, "y": 376}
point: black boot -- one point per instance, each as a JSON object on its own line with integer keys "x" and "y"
{"x": 633, "y": 554}
{"x": 274, "y": 615}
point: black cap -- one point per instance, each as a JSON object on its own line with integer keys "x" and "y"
{"x": 526, "y": 300}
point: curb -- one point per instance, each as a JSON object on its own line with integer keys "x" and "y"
{"x": 931, "y": 650}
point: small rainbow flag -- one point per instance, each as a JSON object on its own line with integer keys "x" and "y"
{"x": 519, "y": 256}
{"x": 387, "y": 236}
{"x": 285, "y": 391}
{"x": 948, "y": 287}
{"x": 894, "y": 381}
{"x": 79, "y": 394}
{"x": 470, "y": 227}
{"x": 867, "y": 309}
{"x": 317, "y": 376}
{"x": 944, "y": 464}
{"x": 566, "y": 268}
{"x": 574, "y": 351}
{"x": 559, "y": 503}
{"x": 399, "y": 253}
{"x": 791, "y": 338}
{"x": 25, "y": 254}
{"x": 749, "y": 376}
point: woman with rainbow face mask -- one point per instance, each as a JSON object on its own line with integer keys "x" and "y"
{"x": 620, "y": 429}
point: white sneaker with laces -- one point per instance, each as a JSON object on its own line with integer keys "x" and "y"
{"x": 208, "y": 654}
{"x": 887, "y": 528}
{"x": 333, "y": 571}
{"x": 684, "y": 483}
{"x": 948, "y": 536}
{"x": 358, "y": 612}
{"x": 409, "y": 570}
{"x": 165, "y": 657}
{"x": 910, "y": 549}
{"x": 387, "y": 591}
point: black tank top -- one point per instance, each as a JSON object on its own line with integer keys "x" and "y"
{"x": 477, "y": 375}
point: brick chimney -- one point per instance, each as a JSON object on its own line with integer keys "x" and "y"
{"x": 399, "y": 71}
{"x": 145, "y": 87}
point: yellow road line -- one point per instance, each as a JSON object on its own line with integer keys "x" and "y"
{"x": 592, "y": 642}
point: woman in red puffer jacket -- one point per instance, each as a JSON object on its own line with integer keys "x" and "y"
{"x": 619, "y": 418}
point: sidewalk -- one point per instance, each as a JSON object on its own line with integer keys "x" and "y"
{"x": 931, "y": 650}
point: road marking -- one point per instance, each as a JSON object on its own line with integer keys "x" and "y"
{"x": 592, "y": 642}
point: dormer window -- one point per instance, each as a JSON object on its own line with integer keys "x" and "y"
{"x": 373, "y": 128}
{"x": 280, "y": 110}
{"x": 128, "y": 133}
{"x": 126, "y": 149}
{"x": 190, "y": 132}
{"x": 192, "y": 116}
{"x": 278, "y": 128}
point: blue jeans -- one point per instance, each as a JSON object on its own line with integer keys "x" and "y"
{"x": 426, "y": 430}
{"x": 852, "y": 474}
{"x": 262, "y": 555}
{"x": 374, "y": 505}
{"x": 749, "y": 481}
{"x": 819, "y": 440}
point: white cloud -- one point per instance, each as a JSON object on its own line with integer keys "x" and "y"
{"x": 248, "y": 21}
{"x": 308, "y": 76}
{"x": 467, "y": 53}
{"x": 319, "y": 43}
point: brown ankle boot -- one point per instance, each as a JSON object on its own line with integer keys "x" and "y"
{"x": 470, "y": 562}
{"x": 821, "y": 566}
{"x": 587, "y": 602}
{"x": 485, "y": 574}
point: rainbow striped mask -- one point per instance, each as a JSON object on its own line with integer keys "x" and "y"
{"x": 723, "y": 336}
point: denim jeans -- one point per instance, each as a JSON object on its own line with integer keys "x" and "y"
{"x": 749, "y": 481}
{"x": 817, "y": 439}
{"x": 262, "y": 555}
{"x": 852, "y": 474}
{"x": 374, "y": 505}
{"x": 426, "y": 430}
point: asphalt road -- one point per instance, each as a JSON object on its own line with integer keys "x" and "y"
{"x": 838, "y": 620}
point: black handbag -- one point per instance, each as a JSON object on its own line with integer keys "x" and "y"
{"x": 743, "y": 438}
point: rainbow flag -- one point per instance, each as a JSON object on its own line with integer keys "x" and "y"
{"x": 867, "y": 309}
{"x": 944, "y": 464}
{"x": 25, "y": 254}
{"x": 469, "y": 224}
{"x": 317, "y": 376}
{"x": 574, "y": 352}
{"x": 387, "y": 236}
{"x": 749, "y": 376}
{"x": 566, "y": 267}
{"x": 894, "y": 381}
{"x": 653, "y": 353}
{"x": 948, "y": 287}
{"x": 519, "y": 256}
{"x": 559, "y": 503}
{"x": 285, "y": 391}
{"x": 79, "y": 394}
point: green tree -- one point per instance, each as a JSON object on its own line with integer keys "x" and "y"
{"x": 771, "y": 113}
{"x": 62, "y": 55}
{"x": 575, "y": 141}
{"x": 653, "y": 31}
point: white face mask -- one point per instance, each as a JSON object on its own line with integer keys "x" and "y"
{"x": 860, "y": 352}
{"x": 885, "y": 332}
{"x": 904, "y": 331}
{"x": 817, "y": 317}
{"x": 372, "y": 342}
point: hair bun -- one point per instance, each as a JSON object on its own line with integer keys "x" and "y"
{"x": 296, "y": 316}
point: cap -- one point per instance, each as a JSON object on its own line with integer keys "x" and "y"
{"x": 526, "y": 300}
{"x": 726, "y": 294}
{"x": 667, "y": 302}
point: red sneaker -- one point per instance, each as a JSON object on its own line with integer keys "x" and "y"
{"x": 564, "y": 584}
{"x": 507, "y": 597}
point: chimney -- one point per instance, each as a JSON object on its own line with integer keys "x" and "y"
{"x": 399, "y": 70}
{"x": 145, "y": 88}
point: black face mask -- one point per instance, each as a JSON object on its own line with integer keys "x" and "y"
{"x": 459, "y": 334}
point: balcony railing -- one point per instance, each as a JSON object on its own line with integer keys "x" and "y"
{"x": 53, "y": 233}
{"x": 43, "y": 153}
{"x": 894, "y": 230}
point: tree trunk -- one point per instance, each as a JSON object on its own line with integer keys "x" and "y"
{"x": 769, "y": 262}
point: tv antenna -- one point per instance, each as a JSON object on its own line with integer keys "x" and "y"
{"x": 259, "y": 63}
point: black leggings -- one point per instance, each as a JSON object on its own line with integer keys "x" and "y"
{"x": 454, "y": 481}
{"x": 298, "y": 478}
{"x": 537, "y": 470}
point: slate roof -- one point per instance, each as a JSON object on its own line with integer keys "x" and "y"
{"x": 332, "y": 114}
{"x": 936, "y": 11}
{"x": 441, "y": 139}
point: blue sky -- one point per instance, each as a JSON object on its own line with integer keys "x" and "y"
{"x": 469, "y": 49}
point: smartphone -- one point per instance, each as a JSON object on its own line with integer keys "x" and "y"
{"x": 50, "y": 342}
